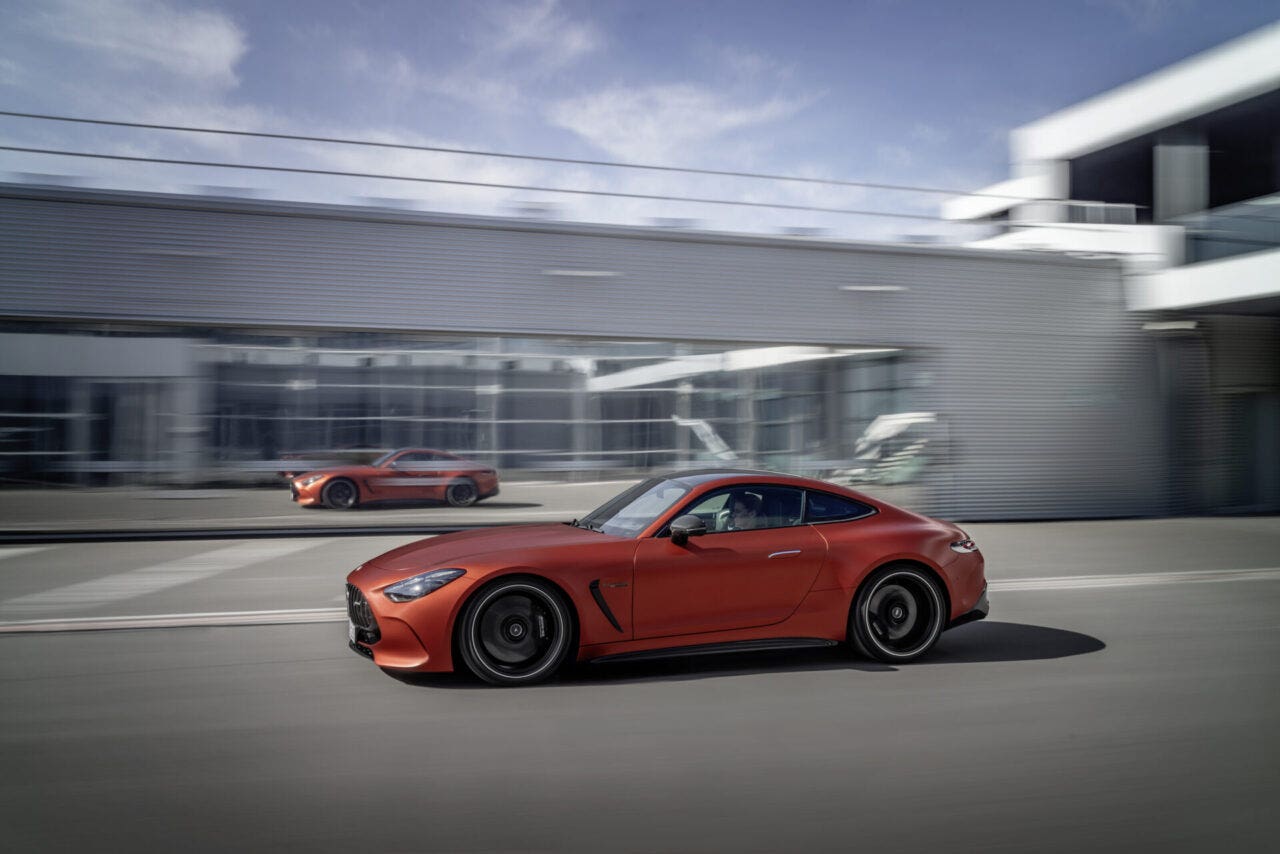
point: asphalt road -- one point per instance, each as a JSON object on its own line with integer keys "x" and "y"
{"x": 1119, "y": 715}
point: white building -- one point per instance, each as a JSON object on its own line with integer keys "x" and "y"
{"x": 1178, "y": 174}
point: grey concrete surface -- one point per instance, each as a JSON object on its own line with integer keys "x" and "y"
{"x": 310, "y": 574}
{"x": 1133, "y": 720}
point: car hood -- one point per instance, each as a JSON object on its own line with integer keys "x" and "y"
{"x": 451, "y": 549}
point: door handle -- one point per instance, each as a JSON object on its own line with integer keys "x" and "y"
{"x": 787, "y": 553}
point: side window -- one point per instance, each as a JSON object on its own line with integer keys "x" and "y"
{"x": 749, "y": 507}
{"x": 824, "y": 507}
{"x": 417, "y": 461}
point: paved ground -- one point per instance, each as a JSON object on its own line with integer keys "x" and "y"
{"x": 83, "y": 580}
{"x": 1121, "y": 698}
{"x": 1134, "y": 713}
{"x": 1133, "y": 720}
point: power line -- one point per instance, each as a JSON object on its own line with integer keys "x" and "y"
{"x": 484, "y": 184}
{"x": 612, "y": 164}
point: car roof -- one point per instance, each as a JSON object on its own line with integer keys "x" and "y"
{"x": 698, "y": 477}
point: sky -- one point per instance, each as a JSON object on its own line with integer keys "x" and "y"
{"x": 886, "y": 91}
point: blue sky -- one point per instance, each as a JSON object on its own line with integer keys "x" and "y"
{"x": 920, "y": 93}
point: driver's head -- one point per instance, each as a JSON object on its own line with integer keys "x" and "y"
{"x": 744, "y": 511}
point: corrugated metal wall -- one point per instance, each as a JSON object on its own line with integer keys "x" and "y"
{"x": 1046, "y": 387}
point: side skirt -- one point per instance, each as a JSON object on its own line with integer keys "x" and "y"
{"x": 716, "y": 649}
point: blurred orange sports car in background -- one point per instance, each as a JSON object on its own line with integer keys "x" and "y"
{"x": 687, "y": 564}
{"x": 409, "y": 474}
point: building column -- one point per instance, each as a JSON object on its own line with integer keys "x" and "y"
{"x": 81, "y": 438}
{"x": 1180, "y": 180}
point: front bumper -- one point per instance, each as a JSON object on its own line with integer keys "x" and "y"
{"x": 305, "y": 495}
{"x": 979, "y": 612}
{"x": 401, "y": 636}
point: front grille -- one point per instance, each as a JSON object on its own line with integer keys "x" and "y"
{"x": 361, "y": 615}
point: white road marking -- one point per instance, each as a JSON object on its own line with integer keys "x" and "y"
{"x": 171, "y": 621}
{"x": 560, "y": 483}
{"x": 17, "y": 552}
{"x": 1135, "y": 579}
{"x": 149, "y": 579}
{"x": 332, "y": 615}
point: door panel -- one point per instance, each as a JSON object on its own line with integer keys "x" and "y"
{"x": 724, "y": 581}
{"x": 415, "y": 476}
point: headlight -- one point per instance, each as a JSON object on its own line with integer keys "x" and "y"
{"x": 310, "y": 480}
{"x": 965, "y": 546}
{"x": 421, "y": 585}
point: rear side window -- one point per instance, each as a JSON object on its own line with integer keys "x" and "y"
{"x": 824, "y": 507}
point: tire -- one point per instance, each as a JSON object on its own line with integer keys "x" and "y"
{"x": 340, "y": 494}
{"x": 462, "y": 493}
{"x": 518, "y": 631}
{"x": 898, "y": 614}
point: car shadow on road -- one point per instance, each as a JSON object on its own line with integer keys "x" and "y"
{"x": 994, "y": 641}
{"x": 976, "y": 643}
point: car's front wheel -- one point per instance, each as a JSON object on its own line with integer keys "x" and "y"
{"x": 340, "y": 494}
{"x": 898, "y": 614}
{"x": 462, "y": 493}
{"x": 515, "y": 632}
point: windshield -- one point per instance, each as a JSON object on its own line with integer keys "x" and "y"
{"x": 634, "y": 510}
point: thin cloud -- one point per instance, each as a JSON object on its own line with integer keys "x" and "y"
{"x": 541, "y": 33}
{"x": 512, "y": 46}
{"x": 147, "y": 34}
{"x": 742, "y": 63}
{"x": 657, "y": 123}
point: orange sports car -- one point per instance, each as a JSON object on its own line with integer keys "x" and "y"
{"x": 691, "y": 563}
{"x": 409, "y": 474}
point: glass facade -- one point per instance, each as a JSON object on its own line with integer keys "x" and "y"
{"x": 584, "y": 406}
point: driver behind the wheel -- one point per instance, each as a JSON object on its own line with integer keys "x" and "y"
{"x": 744, "y": 512}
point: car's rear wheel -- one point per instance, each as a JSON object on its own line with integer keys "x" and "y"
{"x": 515, "y": 632}
{"x": 898, "y": 614}
{"x": 462, "y": 493}
{"x": 340, "y": 494}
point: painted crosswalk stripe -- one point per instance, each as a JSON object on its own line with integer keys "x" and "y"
{"x": 149, "y": 579}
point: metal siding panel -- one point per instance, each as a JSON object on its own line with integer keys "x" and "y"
{"x": 1043, "y": 379}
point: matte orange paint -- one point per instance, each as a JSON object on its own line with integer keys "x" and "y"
{"x": 386, "y": 483}
{"x": 717, "y": 588}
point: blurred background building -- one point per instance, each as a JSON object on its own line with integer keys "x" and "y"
{"x": 155, "y": 338}
{"x": 1112, "y": 356}
{"x": 1181, "y": 173}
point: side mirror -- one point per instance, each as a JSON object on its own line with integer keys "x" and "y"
{"x": 685, "y": 527}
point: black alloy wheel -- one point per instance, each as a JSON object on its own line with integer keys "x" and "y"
{"x": 898, "y": 614}
{"x": 462, "y": 493}
{"x": 516, "y": 632}
{"x": 340, "y": 494}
